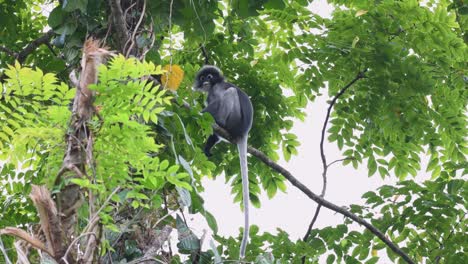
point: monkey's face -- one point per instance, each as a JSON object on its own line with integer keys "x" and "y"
{"x": 207, "y": 77}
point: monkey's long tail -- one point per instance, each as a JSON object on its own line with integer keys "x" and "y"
{"x": 242, "y": 147}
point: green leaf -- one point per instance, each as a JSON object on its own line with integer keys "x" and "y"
{"x": 56, "y": 17}
{"x": 184, "y": 196}
{"x": 81, "y": 182}
{"x": 67, "y": 29}
{"x": 274, "y": 4}
{"x": 186, "y": 166}
{"x": 172, "y": 169}
{"x": 454, "y": 186}
{"x": 187, "y": 137}
{"x": 71, "y": 5}
{"x": 146, "y": 115}
{"x": 372, "y": 260}
{"x": 188, "y": 242}
{"x": 164, "y": 164}
{"x": 271, "y": 190}
{"x": 331, "y": 259}
{"x": 281, "y": 185}
{"x": 211, "y": 220}
{"x": 372, "y": 166}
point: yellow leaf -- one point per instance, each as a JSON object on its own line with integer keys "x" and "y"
{"x": 361, "y": 12}
{"x": 374, "y": 253}
{"x": 172, "y": 77}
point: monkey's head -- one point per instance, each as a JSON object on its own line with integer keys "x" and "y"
{"x": 207, "y": 77}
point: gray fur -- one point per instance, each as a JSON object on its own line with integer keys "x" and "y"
{"x": 232, "y": 110}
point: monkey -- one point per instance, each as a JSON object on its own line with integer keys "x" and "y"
{"x": 232, "y": 110}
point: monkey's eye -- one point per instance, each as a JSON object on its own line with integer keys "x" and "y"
{"x": 202, "y": 78}
{"x": 209, "y": 77}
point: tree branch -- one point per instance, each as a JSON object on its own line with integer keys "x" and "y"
{"x": 23, "y": 54}
{"x": 320, "y": 200}
{"x": 49, "y": 218}
{"x": 8, "y": 51}
{"x": 359, "y": 76}
{"x": 21, "y": 234}
{"x": 205, "y": 54}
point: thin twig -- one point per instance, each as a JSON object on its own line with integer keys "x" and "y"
{"x": 167, "y": 213}
{"x": 93, "y": 220}
{"x": 22, "y": 256}
{"x": 153, "y": 39}
{"x": 2, "y": 248}
{"x": 199, "y": 21}
{"x": 162, "y": 218}
{"x": 338, "y": 160}
{"x": 128, "y": 9}
{"x": 359, "y": 76}
{"x": 125, "y": 16}
{"x": 123, "y": 230}
{"x": 151, "y": 253}
{"x": 205, "y": 54}
{"x": 136, "y": 29}
{"x": 170, "y": 41}
{"x": 91, "y": 241}
{"x": 109, "y": 28}
{"x": 64, "y": 258}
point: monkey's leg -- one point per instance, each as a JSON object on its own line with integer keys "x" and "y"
{"x": 212, "y": 140}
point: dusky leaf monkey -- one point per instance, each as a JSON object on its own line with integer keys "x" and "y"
{"x": 232, "y": 110}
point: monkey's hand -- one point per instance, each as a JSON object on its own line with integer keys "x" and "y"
{"x": 207, "y": 153}
{"x": 212, "y": 107}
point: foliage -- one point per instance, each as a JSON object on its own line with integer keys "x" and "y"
{"x": 429, "y": 219}
{"x": 35, "y": 115}
{"x": 415, "y": 59}
{"x": 21, "y": 22}
{"x": 412, "y": 102}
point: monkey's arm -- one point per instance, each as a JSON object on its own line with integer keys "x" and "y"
{"x": 211, "y": 108}
{"x": 228, "y": 114}
{"x": 225, "y": 109}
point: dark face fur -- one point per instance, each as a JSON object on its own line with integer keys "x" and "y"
{"x": 207, "y": 77}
